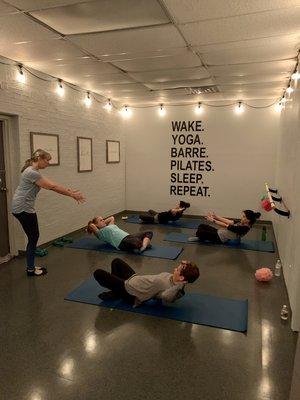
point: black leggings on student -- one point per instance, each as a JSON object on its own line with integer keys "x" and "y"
{"x": 207, "y": 232}
{"x": 134, "y": 241}
{"x": 114, "y": 280}
{"x": 30, "y": 226}
{"x": 162, "y": 217}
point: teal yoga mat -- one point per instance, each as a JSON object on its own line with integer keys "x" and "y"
{"x": 88, "y": 243}
{"x": 196, "y": 308}
{"x": 254, "y": 245}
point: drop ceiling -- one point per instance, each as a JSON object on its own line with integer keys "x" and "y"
{"x": 141, "y": 52}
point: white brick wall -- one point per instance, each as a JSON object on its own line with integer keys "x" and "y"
{"x": 39, "y": 109}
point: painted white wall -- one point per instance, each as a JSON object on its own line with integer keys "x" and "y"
{"x": 242, "y": 149}
{"x": 287, "y": 231}
{"x": 39, "y": 109}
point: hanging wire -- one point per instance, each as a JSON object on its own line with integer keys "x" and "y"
{"x": 104, "y": 99}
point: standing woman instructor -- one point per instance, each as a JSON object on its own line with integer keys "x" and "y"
{"x": 23, "y": 202}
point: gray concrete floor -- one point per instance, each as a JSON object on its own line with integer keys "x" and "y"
{"x": 56, "y": 349}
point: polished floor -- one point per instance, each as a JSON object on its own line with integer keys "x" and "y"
{"x": 56, "y": 349}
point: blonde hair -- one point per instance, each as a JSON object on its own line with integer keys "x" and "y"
{"x": 88, "y": 229}
{"x": 39, "y": 153}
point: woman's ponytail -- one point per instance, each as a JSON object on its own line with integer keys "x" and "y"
{"x": 39, "y": 153}
{"x": 27, "y": 164}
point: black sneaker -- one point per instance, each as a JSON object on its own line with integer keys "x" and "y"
{"x": 183, "y": 204}
{"x": 40, "y": 271}
{"x": 108, "y": 296}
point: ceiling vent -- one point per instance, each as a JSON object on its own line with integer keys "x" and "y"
{"x": 203, "y": 89}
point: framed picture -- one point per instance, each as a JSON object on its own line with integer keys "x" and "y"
{"x": 112, "y": 151}
{"x": 84, "y": 154}
{"x": 48, "y": 142}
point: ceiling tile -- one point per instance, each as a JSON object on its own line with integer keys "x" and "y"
{"x": 173, "y": 51}
{"x": 290, "y": 42}
{"x": 236, "y": 80}
{"x": 199, "y": 10}
{"x": 104, "y": 15}
{"x": 171, "y": 75}
{"x": 183, "y": 60}
{"x": 15, "y": 28}
{"x": 179, "y": 84}
{"x": 130, "y": 41}
{"x": 248, "y": 55}
{"x": 275, "y": 23}
{"x": 6, "y": 9}
{"x": 246, "y": 69}
{"x": 42, "y": 4}
{"x": 48, "y": 50}
{"x": 76, "y": 71}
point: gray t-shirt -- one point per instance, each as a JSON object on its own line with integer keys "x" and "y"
{"x": 25, "y": 195}
{"x": 161, "y": 286}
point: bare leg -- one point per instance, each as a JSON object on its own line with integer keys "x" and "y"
{"x": 146, "y": 244}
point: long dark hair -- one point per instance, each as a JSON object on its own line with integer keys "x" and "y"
{"x": 251, "y": 216}
{"x": 39, "y": 153}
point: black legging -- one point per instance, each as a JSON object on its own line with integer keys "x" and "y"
{"x": 30, "y": 225}
{"x": 120, "y": 272}
{"x": 134, "y": 241}
{"x": 162, "y": 217}
{"x": 207, "y": 232}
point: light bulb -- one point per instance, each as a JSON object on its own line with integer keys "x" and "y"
{"x": 296, "y": 75}
{"x": 20, "y": 75}
{"x": 60, "y": 89}
{"x": 289, "y": 90}
{"x": 161, "y": 110}
{"x": 108, "y": 106}
{"x": 239, "y": 108}
{"x": 88, "y": 100}
{"x": 278, "y": 107}
{"x": 126, "y": 112}
{"x": 283, "y": 100}
{"x": 199, "y": 109}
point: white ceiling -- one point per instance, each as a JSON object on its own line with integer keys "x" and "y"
{"x": 141, "y": 52}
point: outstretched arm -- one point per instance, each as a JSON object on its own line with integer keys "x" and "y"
{"x": 219, "y": 219}
{"x": 49, "y": 185}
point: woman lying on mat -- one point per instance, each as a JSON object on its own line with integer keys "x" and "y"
{"x": 228, "y": 229}
{"x": 107, "y": 231}
{"x": 164, "y": 217}
{"x": 124, "y": 283}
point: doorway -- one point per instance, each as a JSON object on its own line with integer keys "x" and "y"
{"x": 4, "y": 235}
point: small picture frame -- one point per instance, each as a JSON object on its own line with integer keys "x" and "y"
{"x": 48, "y": 142}
{"x": 84, "y": 154}
{"x": 112, "y": 151}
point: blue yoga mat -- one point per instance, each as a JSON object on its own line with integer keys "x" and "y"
{"x": 255, "y": 245}
{"x": 88, "y": 243}
{"x": 195, "y": 308}
{"x": 181, "y": 223}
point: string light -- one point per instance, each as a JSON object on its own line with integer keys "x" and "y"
{"x": 20, "y": 75}
{"x": 278, "y": 107}
{"x": 60, "y": 89}
{"x": 289, "y": 90}
{"x": 283, "y": 99}
{"x": 239, "y": 109}
{"x": 161, "y": 110}
{"x": 199, "y": 109}
{"x": 88, "y": 100}
{"x": 108, "y": 106}
{"x": 126, "y": 112}
{"x": 296, "y": 75}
